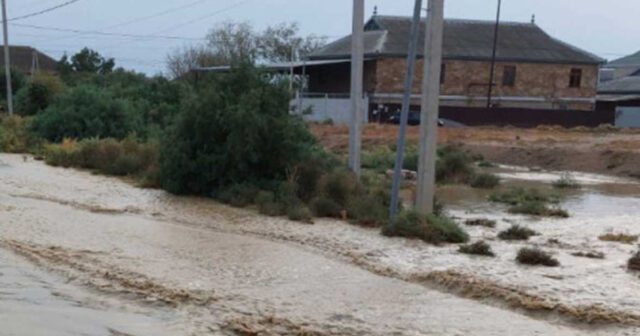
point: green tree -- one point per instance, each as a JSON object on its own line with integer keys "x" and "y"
{"x": 86, "y": 60}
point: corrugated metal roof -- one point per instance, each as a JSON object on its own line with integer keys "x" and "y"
{"x": 463, "y": 39}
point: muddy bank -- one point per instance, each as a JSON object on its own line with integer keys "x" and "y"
{"x": 602, "y": 151}
{"x": 230, "y": 270}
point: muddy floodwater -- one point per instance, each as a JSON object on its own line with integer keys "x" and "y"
{"x": 83, "y": 254}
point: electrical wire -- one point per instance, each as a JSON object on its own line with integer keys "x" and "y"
{"x": 90, "y": 32}
{"x": 64, "y": 4}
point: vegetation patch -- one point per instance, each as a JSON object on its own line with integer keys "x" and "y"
{"x": 566, "y": 181}
{"x": 534, "y": 256}
{"x": 589, "y": 254}
{"x": 429, "y": 228}
{"x": 619, "y": 237}
{"x": 486, "y": 164}
{"x": 517, "y": 232}
{"x": 484, "y": 181}
{"x": 634, "y": 262}
{"x": 529, "y": 202}
{"x": 481, "y": 222}
{"x": 537, "y": 208}
{"x": 477, "y": 248}
{"x": 14, "y": 135}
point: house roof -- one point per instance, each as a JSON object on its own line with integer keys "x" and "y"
{"x": 387, "y": 36}
{"x": 22, "y": 58}
{"x": 632, "y": 60}
{"x": 624, "y": 85}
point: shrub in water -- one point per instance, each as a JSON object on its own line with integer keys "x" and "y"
{"x": 516, "y": 232}
{"x": 566, "y": 181}
{"x": 484, "y": 181}
{"x": 537, "y": 208}
{"x": 453, "y": 165}
{"x": 515, "y": 196}
{"x": 634, "y": 262}
{"x": 481, "y": 222}
{"x": 534, "y": 256}
{"x": 477, "y": 248}
{"x": 619, "y": 237}
{"x": 428, "y": 228}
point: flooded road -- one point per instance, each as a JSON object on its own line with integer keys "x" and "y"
{"x": 140, "y": 262}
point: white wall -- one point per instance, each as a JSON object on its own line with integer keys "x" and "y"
{"x": 323, "y": 108}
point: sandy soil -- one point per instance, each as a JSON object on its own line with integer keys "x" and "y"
{"x": 230, "y": 271}
{"x": 603, "y": 150}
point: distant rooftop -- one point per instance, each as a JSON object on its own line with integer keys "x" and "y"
{"x": 627, "y": 61}
{"x": 622, "y": 86}
{"x": 387, "y": 36}
{"x": 22, "y": 59}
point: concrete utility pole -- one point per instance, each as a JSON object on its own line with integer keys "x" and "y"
{"x": 7, "y": 61}
{"x": 357, "y": 60}
{"x": 406, "y": 103}
{"x": 430, "y": 104}
{"x": 493, "y": 55}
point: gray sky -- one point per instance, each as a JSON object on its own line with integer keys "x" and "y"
{"x": 607, "y": 28}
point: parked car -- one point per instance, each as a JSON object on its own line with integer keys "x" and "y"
{"x": 414, "y": 119}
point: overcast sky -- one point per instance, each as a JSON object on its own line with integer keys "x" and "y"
{"x": 609, "y": 29}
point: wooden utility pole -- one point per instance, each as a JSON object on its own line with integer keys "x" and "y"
{"x": 493, "y": 55}
{"x": 357, "y": 59}
{"x": 7, "y": 61}
{"x": 430, "y": 104}
{"x": 406, "y": 103}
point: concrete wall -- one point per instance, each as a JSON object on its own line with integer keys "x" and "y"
{"x": 470, "y": 78}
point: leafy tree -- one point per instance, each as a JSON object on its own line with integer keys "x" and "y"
{"x": 86, "y": 60}
{"x": 38, "y": 93}
{"x": 281, "y": 43}
{"x": 237, "y": 129}
{"x": 18, "y": 80}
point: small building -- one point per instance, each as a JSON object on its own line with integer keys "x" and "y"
{"x": 28, "y": 59}
{"x": 621, "y": 67}
{"x": 533, "y": 69}
{"x": 621, "y": 97}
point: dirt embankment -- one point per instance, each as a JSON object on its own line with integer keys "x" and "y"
{"x": 601, "y": 150}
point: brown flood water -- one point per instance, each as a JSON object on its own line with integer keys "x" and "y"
{"x": 91, "y": 255}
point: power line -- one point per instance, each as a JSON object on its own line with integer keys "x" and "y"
{"x": 64, "y": 4}
{"x": 165, "y": 12}
{"x": 228, "y": 8}
{"x": 92, "y": 32}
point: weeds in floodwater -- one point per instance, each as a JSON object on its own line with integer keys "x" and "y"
{"x": 619, "y": 237}
{"x": 486, "y": 164}
{"x": 534, "y": 256}
{"x": 529, "y": 202}
{"x": 484, "y": 181}
{"x": 429, "y": 228}
{"x": 566, "y": 181}
{"x": 477, "y": 248}
{"x": 517, "y": 232}
{"x": 634, "y": 262}
{"x": 481, "y": 222}
{"x": 589, "y": 254}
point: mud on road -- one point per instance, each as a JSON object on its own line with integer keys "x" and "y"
{"x": 203, "y": 268}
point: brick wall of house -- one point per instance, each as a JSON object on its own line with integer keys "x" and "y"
{"x": 470, "y": 78}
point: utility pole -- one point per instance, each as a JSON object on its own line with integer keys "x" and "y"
{"x": 406, "y": 103}
{"x": 357, "y": 60}
{"x": 493, "y": 55}
{"x": 7, "y": 62}
{"x": 430, "y": 105}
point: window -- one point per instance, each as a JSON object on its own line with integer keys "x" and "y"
{"x": 509, "y": 76}
{"x": 576, "y": 78}
{"x": 443, "y": 72}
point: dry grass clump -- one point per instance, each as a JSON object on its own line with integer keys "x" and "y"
{"x": 589, "y": 254}
{"x": 477, "y": 248}
{"x": 481, "y": 222}
{"x": 619, "y": 237}
{"x": 516, "y": 232}
{"x": 534, "y": 256}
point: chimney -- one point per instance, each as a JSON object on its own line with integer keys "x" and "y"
{"x": 533, "y": 19}
{"x": 375, "y": 10}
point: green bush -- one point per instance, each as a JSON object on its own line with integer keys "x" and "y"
{"x": 484, "y": 181}
{"x": 267, "y": 205}
{"x": 380, "y": 159}
{"x": 369, "y": 210}
{"x": 477, "y": 248}
{"x": 534, "y": 256}
{"x": 18, "y": 80}
{"x": 516, "y": 195}
{"x": 339, "y": 185}
{"x": 516, "y": 232}
{"x": 86, "y": 112}
{"x": 537, "y": 208}
{"x": 325, "y": 207}
{"x": 486, "y": 164}
{"x": 453, "y": 165}
{"x": 236, "y": 129}
{"x": 566, "y": 181}
{"x": 481, "y": 222}
{"x": 429, "y": 228}
{"x": 299, "y": 213}
{"x": 238, "y": 195}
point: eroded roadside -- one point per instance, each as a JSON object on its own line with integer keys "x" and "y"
{"x": 199, "y": 258}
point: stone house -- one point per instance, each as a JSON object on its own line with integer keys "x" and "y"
{"x": 533, "y": 70}
{"x": 28, "y": 59}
